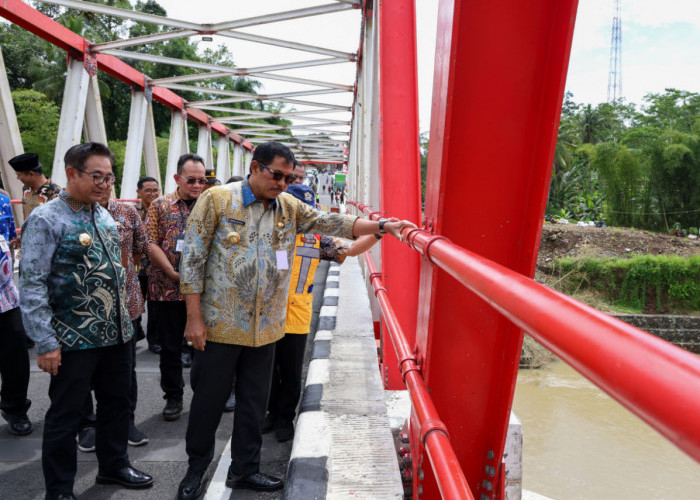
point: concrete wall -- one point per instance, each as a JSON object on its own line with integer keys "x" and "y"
{"x": 683, "y": 331}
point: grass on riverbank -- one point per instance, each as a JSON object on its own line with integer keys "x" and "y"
{"x": 644, "y": 284}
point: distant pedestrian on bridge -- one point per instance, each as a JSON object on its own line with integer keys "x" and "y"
{"x": 74, "y": 306}
{"x": 165, "y": 225}
{"x": 38, "y": 189}
{"x": 235, "y": 279}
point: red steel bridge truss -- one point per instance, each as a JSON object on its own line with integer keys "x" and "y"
{"x": 456, "y": 296}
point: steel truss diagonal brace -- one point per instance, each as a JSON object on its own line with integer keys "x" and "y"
{"x": 70, "y": 125}
{"x": 179, "y": 145}
{"x": 223, "y": 161}
{"x": 10, "y": 141}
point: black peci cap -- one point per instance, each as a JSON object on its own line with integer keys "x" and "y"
{"x": 27, "y": 162}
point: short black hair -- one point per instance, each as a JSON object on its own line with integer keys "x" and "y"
{"x": 77, "y": 155}
{"x": 234, "y": 178}
{"x": 187, "y": 157}
{"x": 266, "y": 152}
{"x": 143, "y": 180}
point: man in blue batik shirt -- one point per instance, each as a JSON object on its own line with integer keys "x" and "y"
{"x": 74, "y": 306}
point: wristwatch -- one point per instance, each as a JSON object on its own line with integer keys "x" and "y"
{"x": 381, "y": 226}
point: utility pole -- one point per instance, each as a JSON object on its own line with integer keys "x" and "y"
{"x": 615, "y": 71}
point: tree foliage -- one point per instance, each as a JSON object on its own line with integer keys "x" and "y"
{"x": 34, "y": 64}
{"x": 632, "y": 167}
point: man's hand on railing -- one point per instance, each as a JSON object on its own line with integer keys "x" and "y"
{"x": 394, "y": 227}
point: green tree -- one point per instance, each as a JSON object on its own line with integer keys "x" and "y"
{"x": 37, "y": 118}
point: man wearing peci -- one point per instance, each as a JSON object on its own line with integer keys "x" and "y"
{"x": 235, "y": 279}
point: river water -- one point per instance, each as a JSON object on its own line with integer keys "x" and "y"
{"x": 578, "y": 443}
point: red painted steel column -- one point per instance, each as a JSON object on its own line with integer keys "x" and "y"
{"x": 500, "y": 69}
{"x": 399, "y": 166}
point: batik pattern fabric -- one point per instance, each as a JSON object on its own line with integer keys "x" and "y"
{"x": 133, "y": 240}
{"x": 145, "y": 263}
{"x": 165, "y": 222}
{"x": 7, "y": 219}
{"x": 232, "y": 250}
{"x": 9, "y": 295}
{"x": 72, "y": 280}
{"x": 334, "y": 249}
{"x": 35, "y": 198}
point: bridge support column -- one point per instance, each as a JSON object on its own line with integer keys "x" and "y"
{"x": 400, "y": 166}
{"x": 179, "y": 145}
{"x": 500, "y": 70}
{"x": 70, "y": 125}
{"x": 10, "y": 142}
{"x": 223, "y": 159}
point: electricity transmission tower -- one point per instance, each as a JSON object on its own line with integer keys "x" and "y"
{"x": 615, "y": 71}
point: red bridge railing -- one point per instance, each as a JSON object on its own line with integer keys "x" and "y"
{"x": 654, "y": 379}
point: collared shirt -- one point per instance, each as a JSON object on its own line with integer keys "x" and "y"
{"x": 35, "y": 198}
{"x": 237, "y": 255}
{"x": 133, "y": 240}
{"x": 72, "y": 280}
{"x": 165, "y": 223}
{"x": 7, "y": 219}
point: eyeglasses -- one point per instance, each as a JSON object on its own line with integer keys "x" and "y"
{"x": 278, "y": 176}
{"x": 98, "y": 179}
{"x": 191, "y": 180}
{"x": 151, "y": 191}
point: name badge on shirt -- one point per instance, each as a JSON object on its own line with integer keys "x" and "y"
{"x": 3, "y": 244}
{"x": 282, "y": 261}
{"x": 179, "y": 243}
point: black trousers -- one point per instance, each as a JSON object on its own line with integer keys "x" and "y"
{"x": 213, "y": 372}
{"x": 151, "y": 324}
{"x": 14, "y": 362}
{"x": 171, "y": 317}
{"x": 88, "y": 416}
{"x": 285, "y": 388}
{"x": 108, "y": 369}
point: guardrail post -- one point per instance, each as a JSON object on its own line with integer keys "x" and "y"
{"x": 399, "y": 166}
{"x": 500, "y": 69}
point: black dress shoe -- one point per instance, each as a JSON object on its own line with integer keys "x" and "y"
{"x": 127, "y": 477}
{"x": 257, "y": 481}
{"x": 230, "y": 403}
{"x": 155, "y": 348}
{"x": 173, "y": 409}
{"x": 60, "y": 496}
{"x": 18, "y": 423}
{"x": 284, "y": 432}
{"x": 191, "y": 485}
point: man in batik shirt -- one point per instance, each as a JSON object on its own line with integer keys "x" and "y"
{"x": 165, "y": 225}
{"x": 309, "y": 250}
{"x": 38, "y": 189}
{"x": 148, "y": 190}
{"x": 74, "y": 306}
{"x": 235, "y": 279}
{"x": 133, "y": 241}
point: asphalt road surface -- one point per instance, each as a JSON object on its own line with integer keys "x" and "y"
{"x": 164, "y": 456}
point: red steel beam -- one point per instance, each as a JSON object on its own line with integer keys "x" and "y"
{"x": 399, "y": 162}
{"x": 500, "y": 70}
{"x": 43, "y": 26}
{"x": 654, "y": 379}
{"x": 450, "y": 479}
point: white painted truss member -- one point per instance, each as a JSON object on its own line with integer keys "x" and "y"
{"x": 247, "y": 158}
{"x": 223, "y": 159}
{"x": 204, "y": 146}
{"x": 179, "y": 145}
{"x": 10, "y": 141}
{"x": 134, "y": 143}
{"x": 70, "y": 126}
{"x": 94, "y": 125}
{"x": 237, "y": 160}
{"x": 150, "y": 147}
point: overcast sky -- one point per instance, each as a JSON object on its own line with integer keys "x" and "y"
{"x": 660, "y": 43}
